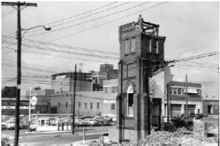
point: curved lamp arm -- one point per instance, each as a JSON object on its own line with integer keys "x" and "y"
{"x": 47, "y": 28}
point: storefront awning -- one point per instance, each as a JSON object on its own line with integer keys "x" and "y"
{"x": 191, "y": 91}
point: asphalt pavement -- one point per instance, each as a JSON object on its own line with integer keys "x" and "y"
{"x": 56, "y": 138}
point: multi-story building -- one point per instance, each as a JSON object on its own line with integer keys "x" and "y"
{"x": 43, "y": 99}
{"x": 91, "y": 103}
{"x": 108, "y": 69}
{"x": 181, "y": 98}
{"x": 8, "y": 98}
{"x": 64, "y": 82}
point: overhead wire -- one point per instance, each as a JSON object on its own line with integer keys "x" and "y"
{"x": 91, "y": 14}
{"x": 62, "y": 46}
{"x": 79, "y": 14}
{"x": 93, "y": 19}
{"x": 105, "y": 23}
{"x": 8, "y": 13}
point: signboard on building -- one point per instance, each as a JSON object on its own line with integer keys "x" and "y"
{"x": 33, "y": 100}
{"x": 21, "y": 107}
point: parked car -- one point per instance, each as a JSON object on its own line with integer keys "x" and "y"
{"x": 33, "y": 126}
{"x": 9, "y": 125}
{"x": 92, "y": 122}
{"x": 105, "y": 123}
{"x": 83, "y": 123}
{"x": 3, "y": 126}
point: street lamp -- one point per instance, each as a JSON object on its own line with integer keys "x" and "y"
{"x": 19, "y": 38}
{"x": 47, "y": 28}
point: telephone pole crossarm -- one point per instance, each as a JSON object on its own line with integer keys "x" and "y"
{"x": 20, "y": 3}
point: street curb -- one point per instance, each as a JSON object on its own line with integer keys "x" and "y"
{"x": 80, "y": 143}
{"x": 9, "y": 136}
{"x": 28, "y": 132}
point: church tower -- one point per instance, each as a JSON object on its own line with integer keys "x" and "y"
{"x": 141, "y": 55}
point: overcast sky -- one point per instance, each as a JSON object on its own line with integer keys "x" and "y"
{"x": 190, "y": 28}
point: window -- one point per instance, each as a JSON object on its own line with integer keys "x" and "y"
{"x": 59, "y": 104}
{"x": 79, "y": 104}
{"x": 127, "y": 45}
{"x": 179, "y": 91}
{"x": 85, "y": 105}
{"x": 113, "y": 89}
{"x": 210, "y": 109}
{"x": 116, "y": 89}
{"x": 105, "y": 89}
{"x": 150, "y": 46}
{"x": 175, "y": 90}
{"x": 130, "y": 104}
{"x": 91, "y": 105}
{"x": 112, "y": 106}
{"x": 97, "y": 105}
{"x": 157, "y": 47}
{"x": 133, "y": 45}
{"x": 66, "y": 104}
{"x": 171, "y": 90}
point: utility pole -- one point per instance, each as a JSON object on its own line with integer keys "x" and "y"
{"x": 17, "y": 108}
{"x": 186, "y": 101}
{"x": 74, "y": 99}
{"x": 168, "y": 106}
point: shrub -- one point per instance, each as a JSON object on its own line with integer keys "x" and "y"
{"x": 5, "y": 141}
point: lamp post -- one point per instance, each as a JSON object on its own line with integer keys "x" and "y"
{"x": 47, "y": 28}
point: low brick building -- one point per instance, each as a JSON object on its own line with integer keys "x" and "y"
{"x": 211, "y": 106}
{"x": 179, "y": 98}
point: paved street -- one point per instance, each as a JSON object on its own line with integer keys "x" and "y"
{"x": 56, "y": 138}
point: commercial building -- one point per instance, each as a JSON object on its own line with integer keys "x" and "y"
{"x": 43, "y": 99}
{"x": 182, "y": 98}
{"x": 108, "y": 69}
{"x": 8, "y": 102}
{"x": 211, "y": 106}
{"x": 64, "y": 82}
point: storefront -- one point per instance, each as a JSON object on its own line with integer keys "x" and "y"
{"x": 53, "y": 122}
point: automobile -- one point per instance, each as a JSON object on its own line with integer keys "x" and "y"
{"x": 83, "y": 123}
{"x": 33, "y": 126}
{"x": 9, "y": 125}
{"x": 105, "y": 123}
{"x": 92, "y": 122}
{"x": 3, "y": 126}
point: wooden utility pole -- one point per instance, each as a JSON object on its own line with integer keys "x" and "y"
{"x": 168, "y": 105}
{"x": 74, "y": 100}
{"x": 17, "y": 108}
{"x": 186, "y": 101}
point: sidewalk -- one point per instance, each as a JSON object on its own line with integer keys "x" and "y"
{"x": 82, "y": 143}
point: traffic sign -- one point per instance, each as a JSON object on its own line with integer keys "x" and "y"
{"x": 33, "y": 100}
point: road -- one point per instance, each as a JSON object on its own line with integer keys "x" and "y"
{"x": 56, "y": 138}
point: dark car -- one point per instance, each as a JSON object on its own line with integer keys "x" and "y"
{"x": 105, "y": 123}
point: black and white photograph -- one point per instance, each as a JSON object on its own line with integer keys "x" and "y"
{"x": 109, "y": 73}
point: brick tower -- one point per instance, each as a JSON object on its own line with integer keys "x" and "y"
{"x": 141, "y": 54}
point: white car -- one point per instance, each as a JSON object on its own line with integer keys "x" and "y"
{"x": 33, "y": 126}
{"x": 10, "y": 125}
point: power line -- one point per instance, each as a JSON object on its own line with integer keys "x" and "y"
{"x": 79, "y": 14}
{"x": 68, "y": 52}
{"x": 63, "y": 46}
{"x": 106, "y": 22}
{"x": 54, "y": 30}
{"x": 8, "y": 13}
{"x": 93, "y": 19}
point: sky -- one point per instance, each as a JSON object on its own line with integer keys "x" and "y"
{"x": 87, "y": 32}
